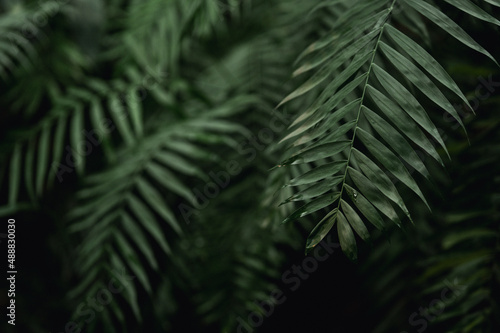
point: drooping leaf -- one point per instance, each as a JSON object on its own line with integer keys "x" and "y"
{"x": 329, "y": 121}
{"x": 339, "y": 132}
{"x": 132, "y": 261}
{"x": 355, "y": 221}
{"x": 316, "y": 189}
{"x": 326, "y": 170}
{"x": 313, "y": 206}
{"x": 408, "y": 103}
{"x": 120, "y": 119}
{"x": 437, "y": 16}
{"x": 320, "y": 231}
{"x": 318, "y": 152}
{"x": 404, "y": 122}
{"x": 390, "y": 161}
{"x": 420, "y": 80}
{"x": 316, "y": 115}
{"x": 396, "y": 141}
{"x": 134, "y": 104}
{"x": 167, "y": 179}
{"x": 379, "y": 179}
{"x": 149, "y": 222}
{"x": 424, "y": 59}
{"x": 346, "y": 237}
{"x": 139, "y": 238}
{"x": 78, "y": 151}
{"x": 43, "y": 158}
{"x": 57, "y": 147}
{"x": 365, "y": 207}
{"x": 372, "y": 194}
{"x": 472, "y": 9}
{"x": 153, "y": 198}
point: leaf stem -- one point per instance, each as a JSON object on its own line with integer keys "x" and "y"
{"x": 372, "y": 61}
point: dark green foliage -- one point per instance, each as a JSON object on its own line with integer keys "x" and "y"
{"x": 148, "y": 130}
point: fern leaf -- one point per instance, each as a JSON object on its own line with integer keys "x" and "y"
{"x": 341, "y": 124}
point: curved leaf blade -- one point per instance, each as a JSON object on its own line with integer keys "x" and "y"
{"x": 142, "y": 212}
{"x": 404, "y": 122}
{"x": 320, "y": 231}
{"x": 472, "y": 9}
{"x": 365, "y": 207}
{"x": 420, "y": 80}
{"x": 408, "y": 103}
{"x": 315, "y": 190}
{"x": 321, "y": 172}
{"x": 153, "y": 198}
{"x": 76, "y": 137}
{"x": 390, "y": 161}
{"x": 440, "y": 19}
{"x": 329, "y": 121}
{"x": 424, "y": 59}
{"x": 379, "y": 179}
{"x": 318, "y": 152}
{"x": 355, "y": 221}
{"x": 346, "y": 237}
{"x": 43, "y": 159}
{"x": 396, "y": 141}
{"x": 139, "y": 238}
{"x": 373, "y": 195}
{"x": 313, "y": 206}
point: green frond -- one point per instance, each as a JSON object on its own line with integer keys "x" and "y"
{"x": 138, "y": 140}
{"x": 91, "y": 115}
{"x": 356, "y": 140}
{"x": 126, "y": 206}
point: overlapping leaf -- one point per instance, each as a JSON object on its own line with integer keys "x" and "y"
{"x": 60, "y": 152}
{"x": 126, "y": 207}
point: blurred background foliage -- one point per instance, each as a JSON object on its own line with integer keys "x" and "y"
{"x": 173, "y": 95}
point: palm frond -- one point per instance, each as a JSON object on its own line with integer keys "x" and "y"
{"x": 370, "y": 117}
{"x": 122, "y": 210}
{"x": 91, "y": 114}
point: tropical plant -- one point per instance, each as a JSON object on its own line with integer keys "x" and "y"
{"x": 149, "y": 133}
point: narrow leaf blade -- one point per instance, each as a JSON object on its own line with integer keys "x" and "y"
{"x": 346, "y": 237}
{"x": 436, "y": 16}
